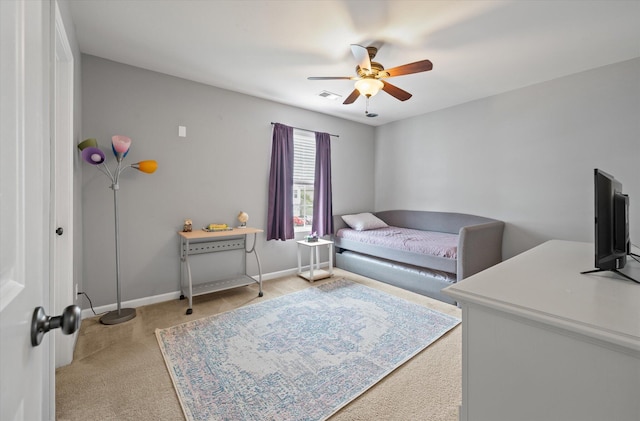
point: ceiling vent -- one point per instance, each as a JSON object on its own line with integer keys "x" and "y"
{"x": 329, "y": 95}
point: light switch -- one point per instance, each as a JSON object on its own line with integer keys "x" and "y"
{"x": 182, "y": 131}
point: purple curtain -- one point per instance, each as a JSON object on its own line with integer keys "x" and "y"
{"x": 280, "y": 213}
{"x": 322, "y": 202}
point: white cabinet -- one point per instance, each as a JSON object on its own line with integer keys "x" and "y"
{"x": 543, "y": 342}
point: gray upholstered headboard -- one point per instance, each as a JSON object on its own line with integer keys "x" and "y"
{"x": 431, "y": 221}
{"x": 338, "y": 222}
{"x": 423, "y": 220}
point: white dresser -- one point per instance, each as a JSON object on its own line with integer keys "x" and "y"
{"x": 542, "y": 342}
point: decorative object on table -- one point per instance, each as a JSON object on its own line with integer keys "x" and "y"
{"x": 243, "y": 217}
{"x": 92, "y": 154}
{"x": 312, "y": 238}
{"x": 217, "y": 227}
{"x": 188, "y": 225}
{"x": 366, "y": 332}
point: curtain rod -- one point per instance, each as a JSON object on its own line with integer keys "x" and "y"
{"x": 307, "y": 130}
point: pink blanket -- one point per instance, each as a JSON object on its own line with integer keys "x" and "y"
{"x": 425, "y": 242}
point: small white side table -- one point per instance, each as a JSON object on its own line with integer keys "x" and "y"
{"x": 314, "y": 271}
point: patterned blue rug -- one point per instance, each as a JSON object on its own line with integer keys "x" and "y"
{"x": 301, "y": 356}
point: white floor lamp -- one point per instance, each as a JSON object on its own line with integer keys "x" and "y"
{"x": 94, "y": 156}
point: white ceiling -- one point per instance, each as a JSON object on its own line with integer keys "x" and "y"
{"x": 268, "y": 48}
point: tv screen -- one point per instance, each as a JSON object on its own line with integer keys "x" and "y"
{"x": 611, "y": 222}
{"x": 612, "y": 243}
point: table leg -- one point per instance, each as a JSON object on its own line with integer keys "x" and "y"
{"x": 186, "y": 259}
{"x": 311, "y": 264}
{"x": 299, "y": 261}
{"x": 331, "y": 259}
{"x": 182, "y": 269}
{"x": 255, "y": 252}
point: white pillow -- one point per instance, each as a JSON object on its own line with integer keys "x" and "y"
{"x": 364, "y": 221}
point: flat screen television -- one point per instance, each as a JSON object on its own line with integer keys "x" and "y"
{"x": 612, "y": 243}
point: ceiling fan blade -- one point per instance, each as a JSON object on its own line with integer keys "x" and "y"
{"x": 362, "y": 57}
{"x": 331, "y": 77}
{"x": 352, "y": 97}
{"x": 407, "y": 69}
{"x": 396, "y": 92}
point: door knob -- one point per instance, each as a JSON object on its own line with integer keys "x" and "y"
{"x": 68, "y": 321}
{"x": 59, "y": 231}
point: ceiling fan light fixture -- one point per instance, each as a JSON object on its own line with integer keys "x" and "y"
{"x": 369, "y": 86}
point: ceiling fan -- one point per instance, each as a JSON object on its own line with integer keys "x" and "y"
{"x": 371, "y": 74}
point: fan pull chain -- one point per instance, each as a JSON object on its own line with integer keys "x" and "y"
{"x": 366, "y": 111}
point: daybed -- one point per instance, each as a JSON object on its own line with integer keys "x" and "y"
{"x": 420, "y": 251}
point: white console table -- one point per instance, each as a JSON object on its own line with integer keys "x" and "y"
{"x": 540, "y": 341}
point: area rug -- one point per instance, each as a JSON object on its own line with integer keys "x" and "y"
{"x": 300, "y": 356}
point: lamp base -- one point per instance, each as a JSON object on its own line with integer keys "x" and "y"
{"x": 118, "y": 316}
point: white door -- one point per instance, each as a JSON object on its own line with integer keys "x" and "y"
{"x": 26, "y": 372}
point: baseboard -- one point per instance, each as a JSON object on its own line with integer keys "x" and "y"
{"x": 132, "y": 303}
{"x": 176, "y": 295}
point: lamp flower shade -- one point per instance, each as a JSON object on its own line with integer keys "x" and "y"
{"x": 149, "y": 166}
{"x": 120, "y": 146}
{"x": 93, "y": 155}
{"x": 87, "y": 143}
{"x": 121, "y": 143}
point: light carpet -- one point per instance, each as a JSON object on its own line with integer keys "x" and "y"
{"x": 300, "y": 356}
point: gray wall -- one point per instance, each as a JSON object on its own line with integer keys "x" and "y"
{"x": 525, "y": 157}
{"x": 220, "y": 168}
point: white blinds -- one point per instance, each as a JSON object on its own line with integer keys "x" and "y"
{"x": 304, "y": 157}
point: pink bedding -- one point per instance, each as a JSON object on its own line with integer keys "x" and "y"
{"x": 425, "y": 242}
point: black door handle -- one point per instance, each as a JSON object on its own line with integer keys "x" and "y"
{"x": 69, "y": 321}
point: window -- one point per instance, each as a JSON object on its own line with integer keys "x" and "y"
{"x": 304, "y": 161}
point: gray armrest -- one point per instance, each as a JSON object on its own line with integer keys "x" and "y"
{"x": 479, "y": 247}
{"x": 338, "y": 223}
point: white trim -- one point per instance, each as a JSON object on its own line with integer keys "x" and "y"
{"x": 133, "y": 303}
{"x": 145, "y": 301}
{"x": 62, "y": 149}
